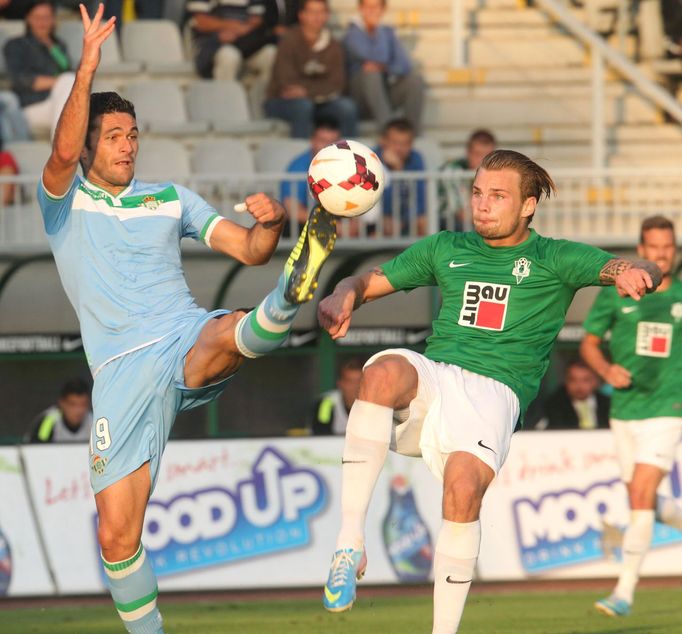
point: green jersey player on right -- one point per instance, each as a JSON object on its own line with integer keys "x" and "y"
{"x": 646, "y": 409}
{"x": 505, "y": 293}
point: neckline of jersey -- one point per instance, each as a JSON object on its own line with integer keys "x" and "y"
{"x": 522, "y": 245}
{"x": 126, "y": 191}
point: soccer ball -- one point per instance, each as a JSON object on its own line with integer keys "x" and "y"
{"x": 346, "y": 178}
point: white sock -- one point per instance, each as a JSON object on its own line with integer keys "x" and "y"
{"x": 368, "y": 435}
{"x": 636, "y": 542}
{"x": 453, "y": 568}
{"x": 669, "y": 511}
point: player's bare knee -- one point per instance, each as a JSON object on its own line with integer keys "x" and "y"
{"x": 389, "y": 381}
{"x": 117, "y": 541}
{"x": 462, "y": 500}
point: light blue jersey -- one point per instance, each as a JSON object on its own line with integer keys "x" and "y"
{"x": 119, "y": 261}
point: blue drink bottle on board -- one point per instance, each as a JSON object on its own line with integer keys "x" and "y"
{"x": 406, "y": 536}
{"x": 5, "y": 565}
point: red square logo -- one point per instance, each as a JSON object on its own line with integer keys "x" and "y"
{"x": 490, "y": 315}
{"x": 659, "y": 344}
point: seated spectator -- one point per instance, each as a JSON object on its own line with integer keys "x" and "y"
{"x": 380, "y": 75}
{"x": 298, "y": 201}
{"x": 38, "y": 65}
{"x": 13, "y": 125}
{"x": 403, "y": 201}
{"x": 576, "y": 404}
{"x": 332, "y": 409}
{"x": 309, "y": 76}
{"x": 8, "y": 167}
{"x": 453, "y": 194}
{"x": 69, "y": 420}
{"x": 229, "y": 36}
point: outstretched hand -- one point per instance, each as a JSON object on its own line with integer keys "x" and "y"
{"x": 334, "y": 312}
{"x": 94, "y": 34}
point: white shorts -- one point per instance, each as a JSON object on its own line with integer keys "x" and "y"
{"x": 454, "y": 410}
{"x": 649, "y": 441}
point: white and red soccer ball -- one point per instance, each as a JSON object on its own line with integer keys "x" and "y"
{"x": 346, "y": 178}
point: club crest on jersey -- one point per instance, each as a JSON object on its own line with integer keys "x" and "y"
{"x": 98, "y": 464}
{"x": 484, "y": 305}
{"x": 150, "y": 202}
{"x": 676, "y": 311}
{"x": 654, "y": 339}
{"x": 521, "y": 269}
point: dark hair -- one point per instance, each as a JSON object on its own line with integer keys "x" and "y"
{"x": 33, "y": 5}
{"x": 353, "y": 364}
{"x": 535, "y": 181}
{"x": 75, "y": 386}
{"x": 483, "y": 136}
{"x": 655, "y": 222}
{"x": 400, "y": 125}
{"x": 102, "y": 103}
{"x": 326, "y": 123}
{"x": 302, "y": 4}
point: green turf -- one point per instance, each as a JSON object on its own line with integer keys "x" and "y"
{"x": 531, "y": 613}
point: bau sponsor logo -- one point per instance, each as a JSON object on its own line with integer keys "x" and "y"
{"x": 565, "y": 527}
{"x": 268, "y": 512}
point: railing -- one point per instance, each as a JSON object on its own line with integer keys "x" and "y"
{"x": 601, "y": 207}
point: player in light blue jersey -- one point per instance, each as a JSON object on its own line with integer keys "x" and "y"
{"x": 152, "y": 351}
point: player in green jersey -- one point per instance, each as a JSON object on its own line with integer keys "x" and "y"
{"x": 505, "y": 293}
{"x": 646, "y": 410}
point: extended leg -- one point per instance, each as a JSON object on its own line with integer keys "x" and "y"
{"x": 224, "y": 343}
{"x": 132, "y": 582}
{"x": 465, "y": 481}
{"x": 389, "y": 383}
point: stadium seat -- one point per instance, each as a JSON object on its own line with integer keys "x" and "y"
{"x": 31, "y": 157}
{"x": 71, "y": 32}
{"x": 431, "y": 151}
{"x": 222, "y": 157}
{"x": 274, "y": 155}
{"x": 162, "y": 160}
{"x": 9, "y": 29}
{"x": 224, "y": 105}
{"x": 157, "y": 44}
{"x": 160, "y": 108}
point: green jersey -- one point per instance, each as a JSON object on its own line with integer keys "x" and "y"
{"x": 502, "y": 307}
{"x": 646, "y": 339}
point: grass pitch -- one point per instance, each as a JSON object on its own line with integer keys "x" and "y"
{"x": 656, "y": 611}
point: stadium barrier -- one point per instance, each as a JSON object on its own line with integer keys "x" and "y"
{"x": 601, "y": 207}
{"x": 264, "y": 513}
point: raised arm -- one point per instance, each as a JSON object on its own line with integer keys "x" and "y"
{"x": 334, "y": 312}
{"x": 633, "y": 278}
{"x": 256, "y": 244}
{"x": 69, "y": 137}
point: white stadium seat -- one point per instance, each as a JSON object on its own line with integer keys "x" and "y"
{"x": 224, "y": 105}
{"x": 160, "y": 108}
{"x": 431, "y": 151}
{"x": 222, "y": 157}
{"x": 157, "y": 44}
{"x": 162, "y": 160}
{"x": 273, "y": 155}
{"x": 71, "y": 32}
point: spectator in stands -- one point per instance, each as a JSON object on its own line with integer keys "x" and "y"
{"x": 38, "y": 65}
{"x": 229, "y": 36}
{"x": 309, "y": 76}
{"x": 576, "y": 404}
{"x": 331, "y": 410}
{"x": 298, "y": 201}
{"x": 8, "y": 167}
{"x": 453, "y": 194}
{"x": 381, "y": 77}
{"x": 69, "y": 420}
{"x": 13, "y": 125}
{"x": 403, "y": 201}
{"x": 281, "y": 15}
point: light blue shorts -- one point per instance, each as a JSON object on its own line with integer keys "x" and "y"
{"x": 135, "y": 401}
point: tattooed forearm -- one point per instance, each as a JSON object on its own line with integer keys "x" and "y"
{"x": 612, "y": 269}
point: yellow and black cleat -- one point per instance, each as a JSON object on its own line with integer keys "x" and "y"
{"x": 312, "y": 249}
